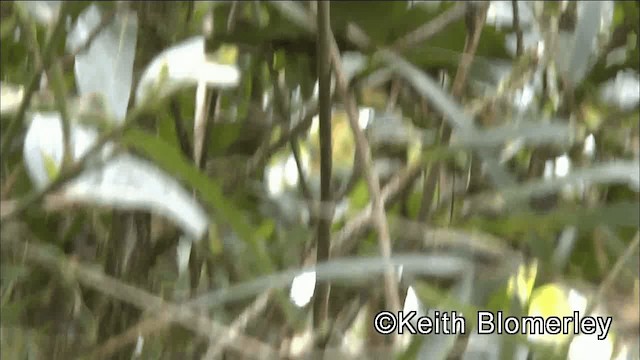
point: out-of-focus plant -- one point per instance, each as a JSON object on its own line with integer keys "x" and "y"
{"x": 182, "y": 197}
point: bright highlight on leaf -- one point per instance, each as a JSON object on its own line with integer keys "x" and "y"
{"x": 186, "y": 65}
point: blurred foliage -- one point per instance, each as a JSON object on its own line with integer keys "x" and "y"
{"x": 259, "y": 184}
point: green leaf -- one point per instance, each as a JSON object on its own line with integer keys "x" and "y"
{"x": 586, "y": 33}
{"x": 171, "y": 159}
{"x": 378, "y": 19}
{"x": 359, "y": 197}
{"x": 223, "y": 135}
{"x": 622, "y": 213}
{"x": 614, "y": 172}
{"x": 13, "y": 272}
{"x": 8, "y": 25}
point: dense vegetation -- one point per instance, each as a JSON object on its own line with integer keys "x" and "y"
{"x": 172, "y": 172}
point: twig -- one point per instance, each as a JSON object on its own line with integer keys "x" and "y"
{"x": 613, "y": 274}
{"x": 321, "y": 303}
{"x": 471, "y": 45}
{"x": 264, "y": 153}
{"x": 431, "y": 177}
{"x": 351, "y": 182}
{"x": 9, "y": 182}
{"x": 608, "y": 281}
{"x": 251, "y": 312}
{"x": 363, "y": 152}
{"x": 516, "y": 28}
{"x": 41, "y": 255}
{"x": 393, "y": 95}
{"x": 302, "y": 181}
{"x": 428, "y": 30}
{"x": 231, "y": 20}
{"x": 347, "y": 237}
{"x": 140, "y": 329}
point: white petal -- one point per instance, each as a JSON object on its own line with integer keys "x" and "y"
{"x": 185, "y": 65}
{"x": 127, "y": 182}
{"x": 106, "y": 67}
{"x": 44, "y": 138}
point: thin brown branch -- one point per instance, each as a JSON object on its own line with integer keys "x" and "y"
{"x": 141, "y": 329}
{"x": 321, "y": 302}
{"x": 345, "y": 240}
{"x": 396, "y": 84}
{"x": 97, "y": 280}
{"x": 608, "y": 281}
{"x": 233, "y": 14}
{"x": 265, "y": 152}
{"x": 605, "y": 285}
{"x": 302, "y": 178}
{"x": 431, "y": 177}
{"x": 471, "y": 45}
{"x": 241, "y": 322}
{"x": 351, "y": 182}
{"x": 8, "y": 184}
{"x": 517, "y": 29}
{"x": 363, "y": 152}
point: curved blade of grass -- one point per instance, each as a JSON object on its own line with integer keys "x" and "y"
{"x": 446, "y": 105}
{"x": 587, "y": 28}
{"x": 615, "y": 172}
{"x": 440, "y": 265}
{"x": 530, "y": 132}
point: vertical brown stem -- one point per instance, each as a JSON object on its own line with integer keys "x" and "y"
{"x": 475, "y": 22}
{"x": 321, "y": 304}
{"x": 516, "y": 28}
